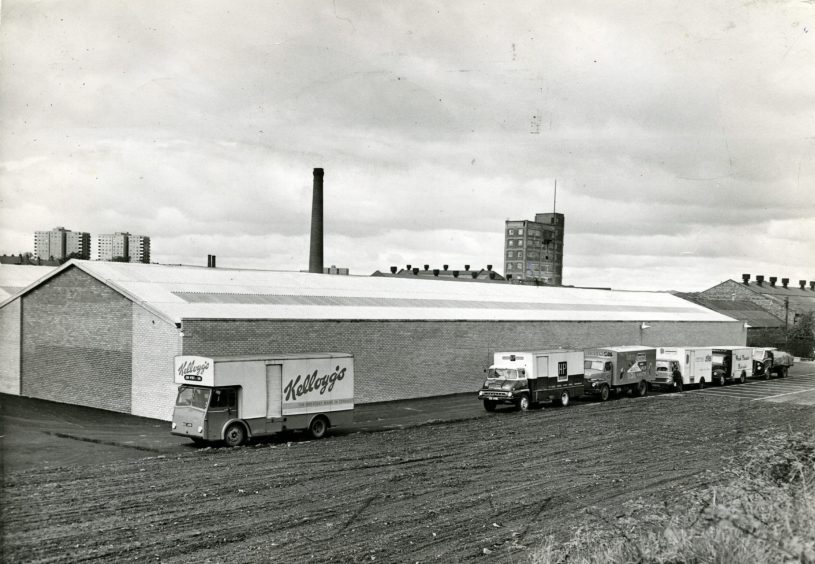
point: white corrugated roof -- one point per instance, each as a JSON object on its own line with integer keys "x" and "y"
{"x": 189, "y": 292}
{"x": 16, "y": 277}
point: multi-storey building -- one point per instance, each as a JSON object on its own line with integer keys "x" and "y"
{"x": 134, "y": 248}
{"x": 533, "y": 250}
{"x": 60, "y": 243}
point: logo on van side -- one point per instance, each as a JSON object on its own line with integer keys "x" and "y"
{"x": 190, "y": 368}
{"x": 312, "y": 383}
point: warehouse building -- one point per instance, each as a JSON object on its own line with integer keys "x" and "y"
{"x": 104, "y": 334}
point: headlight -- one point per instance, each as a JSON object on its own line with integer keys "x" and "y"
{"x": 200, "y": 429}
{"x": 174, "y": 425}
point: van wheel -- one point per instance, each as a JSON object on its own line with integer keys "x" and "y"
{"x": 318, "y": 427}
{"x": 489, "y": 405}
{"x": 235, "y": 435}
{"x": 720, "y": 381}
{"x": 564, "y": 398}
{"x": 523, "y": 403}
{"x": 642, "y": 388}
{"x": 743, "y": 377}
{"x": 605, "y": 392}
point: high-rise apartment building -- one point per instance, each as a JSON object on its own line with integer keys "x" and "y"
{"x": 533, "y": 250}
{"x": 60, "y": 243}
{"x": 135, "y": 248}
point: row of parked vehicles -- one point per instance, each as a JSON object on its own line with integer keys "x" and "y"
{"x": 525, "y": 379}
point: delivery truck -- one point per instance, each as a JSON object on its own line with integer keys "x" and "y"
{"x": 678, "y": 367}
{"x": 732, "y": 364}
{"x": 770, "y": 361}
{"x": 526, "y": 379}
{"x": 236, "y": 398}
{"x": 619, "y": 369}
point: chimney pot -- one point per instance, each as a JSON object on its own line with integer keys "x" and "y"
{"x": 509, "y": 277}
{"x": 773, "y": 280}
{"x": 492, "y": 275}
{"x": 802, "y": 284}
{"x": 759, "y": 279}
{"x": 446, "y": 266}
{"x": 812, "y": 285}
{"x": 393, "y": 270}
{"x": 427, "y": 267}
{"x": 409, "y": 267}
{"x": 745, "y": 278}
{"x": 416, "y": 271}
{"x": 466, "y": 267}
{"x": 435, "y": 272}
{"x": 785, "y": 282}
{"x": 489, "y": 267}
{"x": 474, "y": 273}
{"x": 455, "y": 274}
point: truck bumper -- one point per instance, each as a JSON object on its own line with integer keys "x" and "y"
{"x": 497, "y": 396}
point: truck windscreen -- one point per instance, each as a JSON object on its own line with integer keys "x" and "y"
{"x": 593, "y": 365}
{"x": 193, "y": 397}
{"x": 504, "y": 373}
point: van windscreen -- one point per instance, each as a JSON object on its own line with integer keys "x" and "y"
{"x": 193, "y": 397}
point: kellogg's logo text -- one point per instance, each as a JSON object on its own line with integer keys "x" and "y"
{"x": 312, "y": 382}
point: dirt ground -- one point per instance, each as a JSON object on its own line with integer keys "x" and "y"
{"x": 490, "y": 487}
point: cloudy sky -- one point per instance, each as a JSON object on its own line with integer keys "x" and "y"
{"x": 681, "y": 135}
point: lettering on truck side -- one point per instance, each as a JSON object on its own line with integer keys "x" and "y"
{"x": 311, "y": 383}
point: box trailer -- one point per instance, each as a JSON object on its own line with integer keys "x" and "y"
{"x": 678, "y": 367}
{"x": 236, "y": 398}
{"x": 732, "y": 363}
{"x": 526, "y": 379}
{"x": 771, "y": 361}
{"x": 618, "y": 369}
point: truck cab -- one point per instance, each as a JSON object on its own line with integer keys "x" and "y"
{"x": 505, "y": 385}
{"x": 598, "y": 371}
{"x": 202, "y": 413}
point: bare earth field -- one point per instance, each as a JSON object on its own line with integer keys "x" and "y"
{"x": 489, "y": 487}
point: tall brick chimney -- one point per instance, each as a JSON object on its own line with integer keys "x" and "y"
{"x": 315, "y": 257}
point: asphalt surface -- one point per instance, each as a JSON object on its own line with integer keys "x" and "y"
{"x": 36, "y": 433}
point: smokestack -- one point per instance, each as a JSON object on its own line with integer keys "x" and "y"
{"x": 745, "y": 278}
{"x": 773, "y": 280}
{"x": 315, "y": 258}
{"x": 785, "y": 282}
{"x": 759, "y": 279}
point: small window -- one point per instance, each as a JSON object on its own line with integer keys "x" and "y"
{"x": 607, "y": 367}
{"x": 520, "y": 266}
{"x": 511, "y": 242}
{"x": 520, "y": 242}
{"x": 509, "y": 254}
{"x": 223, "y": 398}
{"x": 512, "y": 232}
{"x": 520, "y": 231}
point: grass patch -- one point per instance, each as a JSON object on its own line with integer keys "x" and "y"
{"x": 759, "y": 508}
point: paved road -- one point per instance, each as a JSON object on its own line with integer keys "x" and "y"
{"x": 797, "y": 388}
{"x": 35, "y": 433}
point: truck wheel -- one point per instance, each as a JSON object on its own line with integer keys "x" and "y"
{"x": 605, "y": 392}
{"x": 489, "y": 405}
{"x": 564, "y": 398}
{"x": 235, "y": 435}
{"x": 784, "y": 371}
{"x": 679, "y": 386}
{"x": 743, "y": 377}
{"x": 642, "y": 388}
{"x": 318, "y": 427}
{"x": 523, "y": 403}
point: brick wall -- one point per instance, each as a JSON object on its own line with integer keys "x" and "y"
{"x": 76, "y": 343}
{"x": 155, "y": 343}
{"x": 408, "y": 359}
{"x": 10, "y": 348}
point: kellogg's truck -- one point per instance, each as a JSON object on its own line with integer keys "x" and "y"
{"x": 628, "y": 368}
{"x": 678, "y": 367}
{"x": 236, "y": 398}
{"x": 769, "y": 361}
{"x": 525, "y": 379}
{"x": 732, "y": 364}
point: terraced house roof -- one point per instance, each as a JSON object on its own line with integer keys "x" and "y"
{"x": 189, "y": 292}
